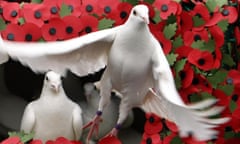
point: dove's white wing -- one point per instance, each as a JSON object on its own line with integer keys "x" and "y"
{"x": 28, "y": 119}
{"x": 77, "y": 122}
{"x": 165, "y": 101}
{"x": 82, "y": 55}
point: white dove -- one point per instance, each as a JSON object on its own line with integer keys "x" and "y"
{"x": 136, "y": 67}
{"x": 53, "y": 114}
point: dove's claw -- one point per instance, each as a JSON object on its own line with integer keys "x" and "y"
{"x": 114, "y": 131}
{"x": 94, "y": 126}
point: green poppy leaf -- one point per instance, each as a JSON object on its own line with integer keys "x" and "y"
{"x": 198, "y": 21}
{"x": 233, "y": 105}
{"x": 227, "y": 89}
{"x": 65, "y": 10}
{"x": 211, "y": 5}
{"x": 228, "y": 60}
{"x": 36, "y": 1}
{"x": 180, "y": 65}
{"x": 105, "y": 23}
{"x": 2, "y": 24}
{"x": 217, "y": 78}
{"x": 171, "y": 58}
{"x": 170, "y": 30}
{"x": 223, "y": 24}
{"x": 221, "y": 3}
{"x": 149, "y": 1}
{"x": 199, "y": 44}
{"x": 178, "y": 41}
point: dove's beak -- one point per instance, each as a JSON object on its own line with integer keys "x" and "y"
{"x": 55, "y": 87}
{"x": 145, "y": 19}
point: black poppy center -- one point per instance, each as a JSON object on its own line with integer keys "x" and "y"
{"x": 235, "y": 97}
{"x": 69, "y": 29}
{"x": 225, "y": 12}
{"x": 123, "y": 14}
{"x": 89, "y": 8}
{"x": 1, "y": 10}
{"x": 149, "y": 141}
{"x": 182, "y": 75}
{"x": 52, "y": 31}
{"x": 88, "y": 29}
{"x": 228, "y": 128}
{"x": 28, "y": 37}
{"x": 107, "y": 9}
{"x": 37, "y": 14}
{"x": 229, "y": 80}
{"x": 201, "y": 61}
{"x": 197, "y": 37}
{"x": 54, "y": 10}
{"x": 151, "y": 119}
{"x": 10, "y": 36}
{"x": 164, "y": 8}
{"x": 14, "y": 13}
{"x": 71, "y": 8}
{"x": 195, "y": 81}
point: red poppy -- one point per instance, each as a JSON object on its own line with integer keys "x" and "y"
{"x": 35, "y": 13}
{"x": 74, "y": 5}
{"x": 89, "y": 24}
{"x": 151, "y": 139}
{"x": 13, "y": 32}
{"x": 217, "y": 35}
{"x": 183, "y": 51}
{"x": 12, "y": 140}
{"x": 201, "y": 59}
{"x": 11, "y": 12}
{"x": 171, "y": 126}
{"x": 73, "y": 26}
{"x": 109, "y": 140}
{"x": 36, "y": 142}
{"x": 202, "y": 11}
{"x": 228, "y": 13}
{"x": 237, "y": 34}
{"x": 52, "y": 8}
{"x": 234, "y": 78}
{"x": 153, "y": 124}
{"x": 186, "y": 75}
{"x": 157, "y": 32}
{"x": 32, "y": 32}
{"x": 218, "y": 58}
{"x": 200, "y": 84}
{"x": 108, "y": 6}
{"x": 166, "y": 7}
{"x": 54, "y": 30}
{"x": 185, "y": 22}
{"x": 121, "y": 14}
{"x": 194, "y": 35}
{"x": 90, "y": 7}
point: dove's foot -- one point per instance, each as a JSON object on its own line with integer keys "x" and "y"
{"x": 94, "y": 126}
{"x": 114, "y": 131}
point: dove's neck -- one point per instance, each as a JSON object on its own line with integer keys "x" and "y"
{"x": 48, "y": 93}
{"x": 136, "y": 26}
{"x": 3, "y": 88}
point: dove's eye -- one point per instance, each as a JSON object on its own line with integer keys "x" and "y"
{"x": 47, "y": 79}
{"x": 134, "y": 12}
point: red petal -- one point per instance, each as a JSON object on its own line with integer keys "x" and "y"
{"x": 110, "y": 140}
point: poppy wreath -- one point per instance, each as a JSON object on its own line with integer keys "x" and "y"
{"x": 200, "y": 38}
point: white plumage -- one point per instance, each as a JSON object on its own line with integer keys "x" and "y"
{"x": 135, "y": 64}
{"x": 53, "y": 114}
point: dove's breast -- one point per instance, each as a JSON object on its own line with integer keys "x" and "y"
{"x": 130, "y": 61}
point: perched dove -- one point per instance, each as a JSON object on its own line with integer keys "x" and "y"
{"x": 53, "y": 114}
{"x": 136, "y": 67}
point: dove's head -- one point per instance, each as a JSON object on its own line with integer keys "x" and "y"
{"x": 139, "y": 14}
{"x": 53, "y": 81}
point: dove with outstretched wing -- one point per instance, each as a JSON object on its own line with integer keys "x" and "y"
{"x": 136, "y": 67}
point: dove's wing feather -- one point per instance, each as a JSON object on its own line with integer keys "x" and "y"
{"x": 82, "y": 55}
{"x": 28, "y": 119}
{"x": 166, "y": 102}
{"x": 77, "y": 122}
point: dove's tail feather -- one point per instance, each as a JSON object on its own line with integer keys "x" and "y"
{"x": 193, "y": 120}
{"x": 3, "y": 55}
